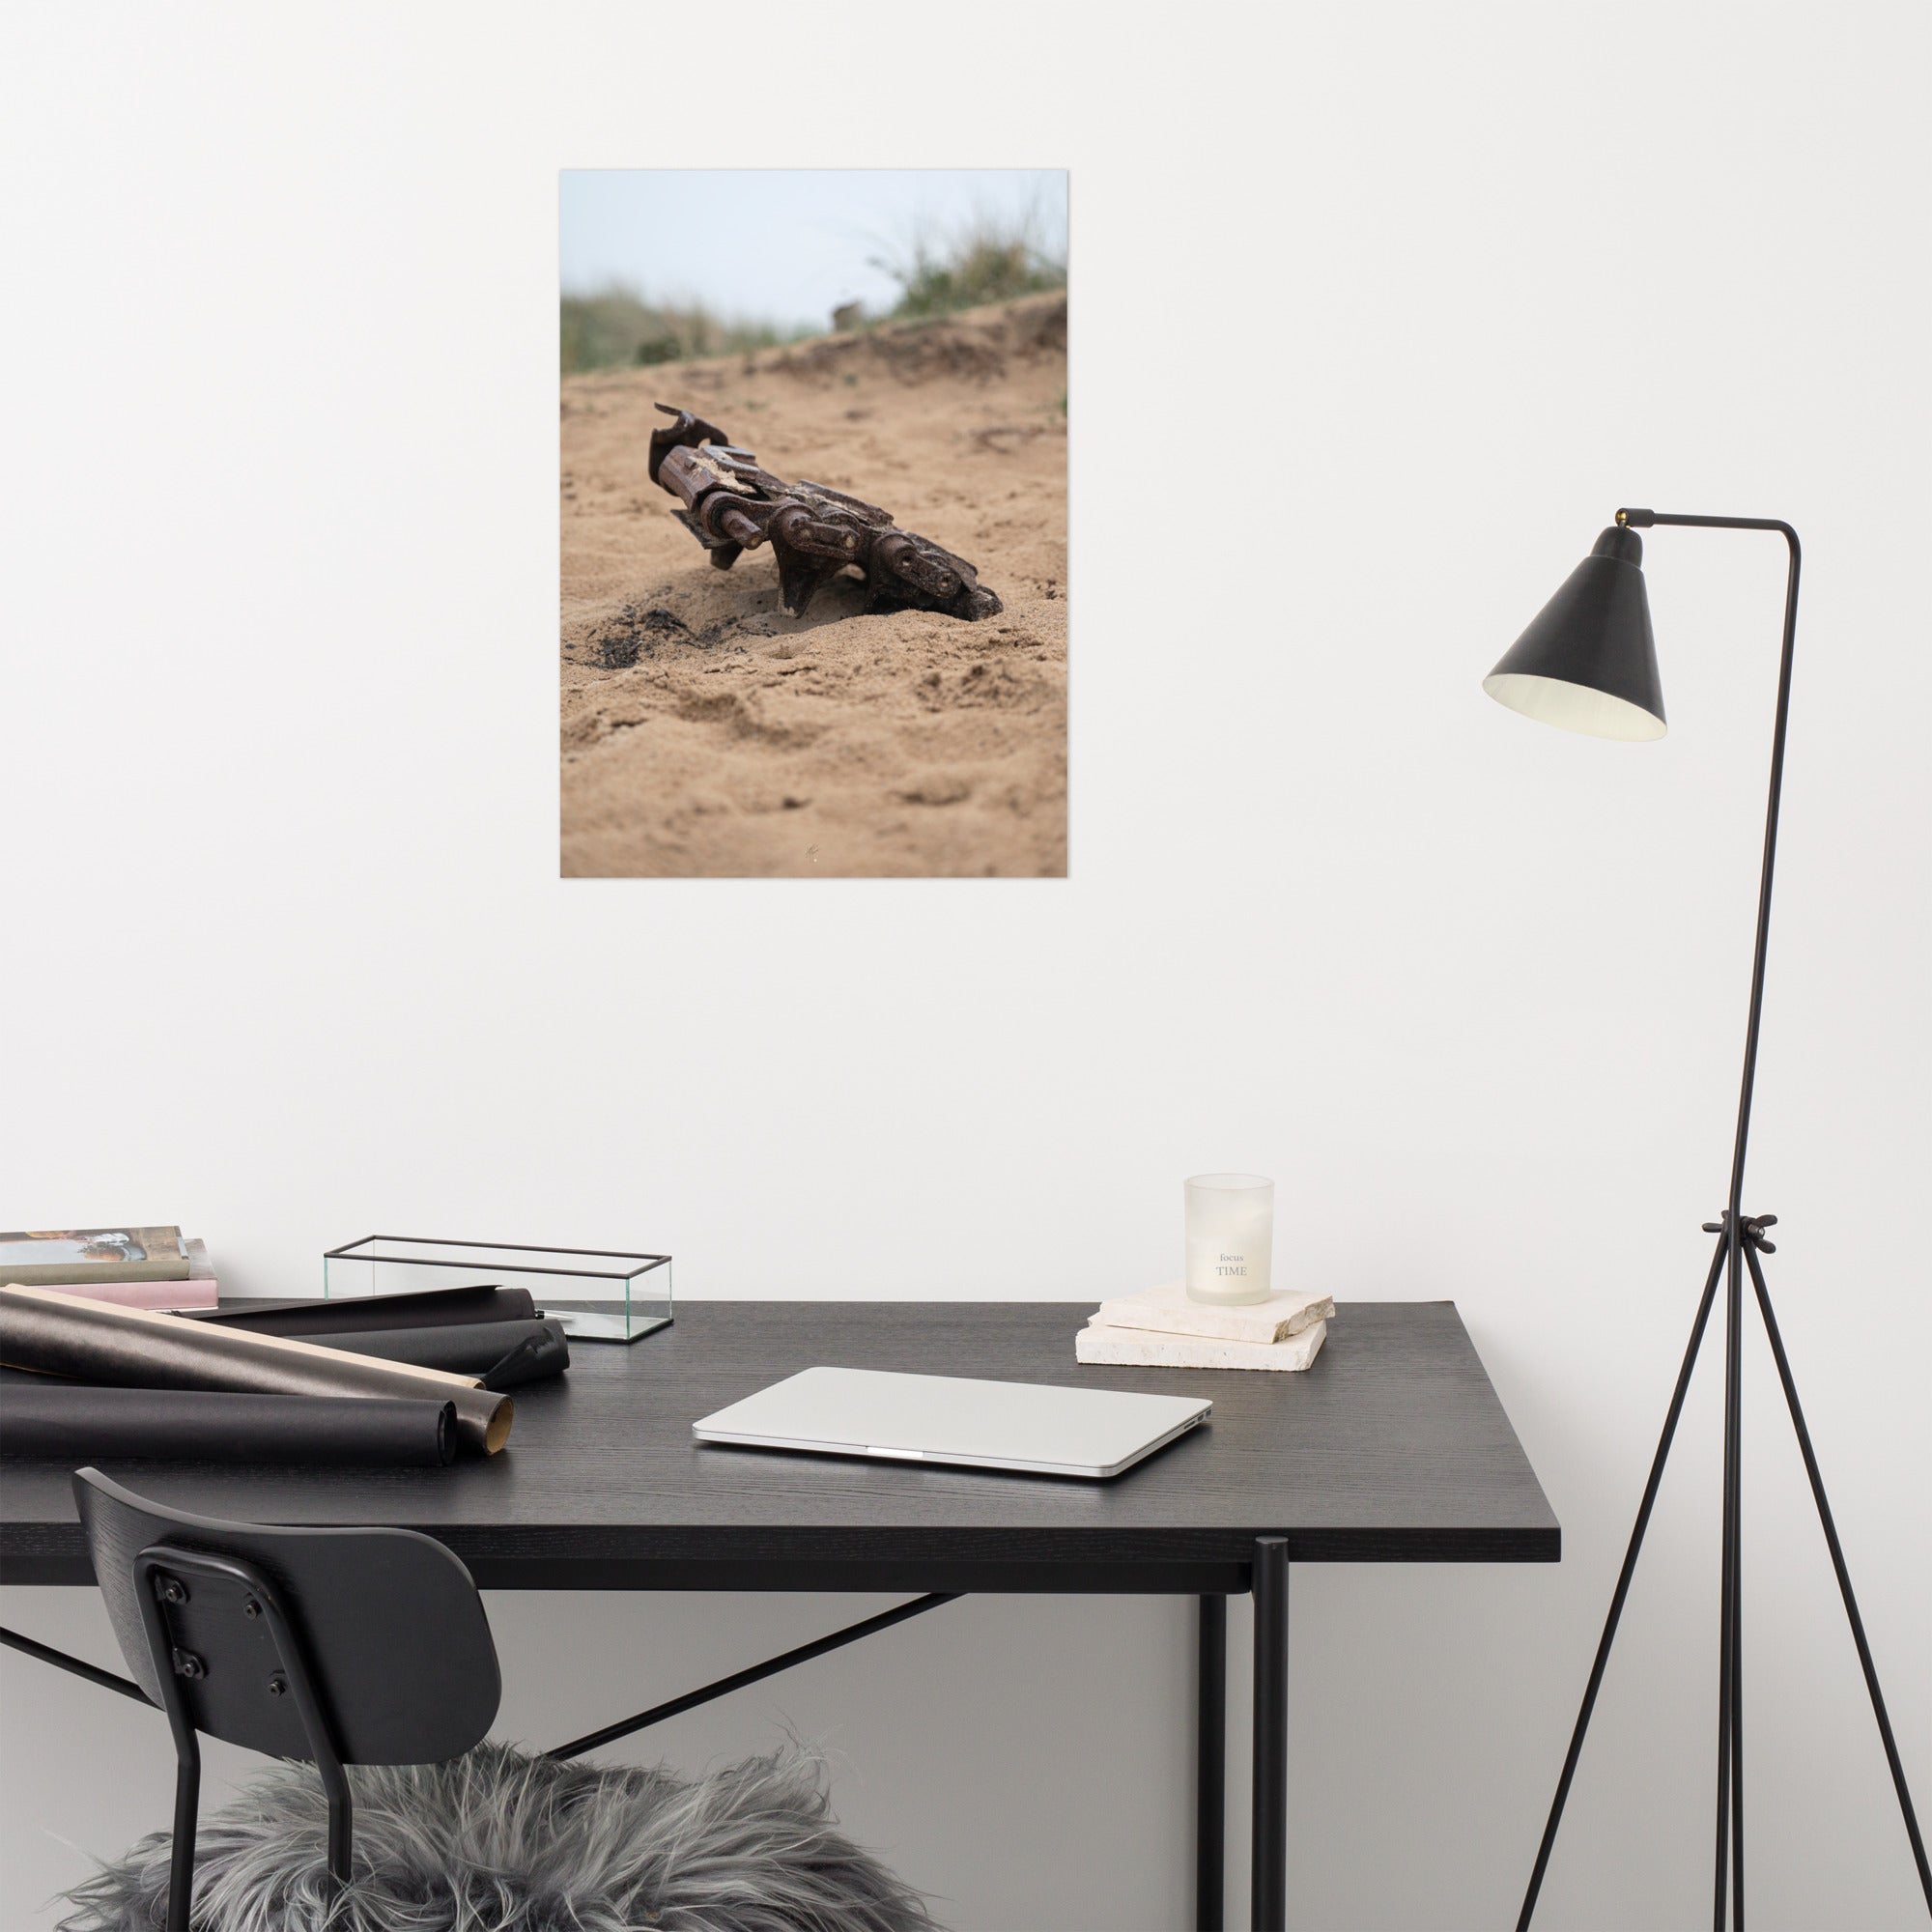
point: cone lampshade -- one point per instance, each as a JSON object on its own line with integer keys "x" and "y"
{"x": 1588, "y": 662}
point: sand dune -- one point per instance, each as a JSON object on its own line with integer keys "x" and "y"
{"x": 707, "y": 734}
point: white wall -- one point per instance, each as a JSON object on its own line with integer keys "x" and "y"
{"x": 1422, "y": 295}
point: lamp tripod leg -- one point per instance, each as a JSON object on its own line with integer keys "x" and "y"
{"x": 1622, "y": 1590}
{"x": 1736, "y": 1456}
{"x": 1844, "y": 1575}
{"x": 1730, "y": 1860}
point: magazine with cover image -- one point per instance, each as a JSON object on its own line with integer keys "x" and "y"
{"x": 57, "y": 1255}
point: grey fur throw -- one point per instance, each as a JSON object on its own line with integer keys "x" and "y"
{"x": 495, "y": 1842}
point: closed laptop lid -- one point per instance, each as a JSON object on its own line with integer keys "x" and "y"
{"x": 954, "y": 1419}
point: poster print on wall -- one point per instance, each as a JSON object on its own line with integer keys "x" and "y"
{"x": 814, "y": 482}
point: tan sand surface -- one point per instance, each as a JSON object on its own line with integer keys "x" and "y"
{"x": 707, "y": 734}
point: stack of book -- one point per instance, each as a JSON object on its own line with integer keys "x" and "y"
{"x": 131, "y": 1268}
{"x": 1162, "y": 1328}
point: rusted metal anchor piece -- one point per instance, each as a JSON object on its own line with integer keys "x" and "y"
{"x": 731, "y": 505}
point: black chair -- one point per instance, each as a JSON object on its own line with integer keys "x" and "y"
{"x": 331, "y": 1646}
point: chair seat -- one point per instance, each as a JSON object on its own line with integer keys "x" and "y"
{"x": 499, "y": 1842}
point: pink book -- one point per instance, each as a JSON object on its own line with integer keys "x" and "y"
{"x": 160, "y": 1295}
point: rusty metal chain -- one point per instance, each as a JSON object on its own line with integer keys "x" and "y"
{"x": 732, "y": 506}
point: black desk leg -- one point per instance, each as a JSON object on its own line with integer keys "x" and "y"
{"x": 1210, "y": 1766}
{"x": 1269, "y": 1893}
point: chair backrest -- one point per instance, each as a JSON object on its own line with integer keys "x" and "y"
{"x": 390, "y": 1629}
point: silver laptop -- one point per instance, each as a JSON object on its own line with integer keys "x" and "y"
{"x": 1045, "y": 1432}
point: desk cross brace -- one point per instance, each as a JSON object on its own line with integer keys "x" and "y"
{"x": 1270, "y": 1857}
{"x": 61, "y": 1661}
{"x": 738, "y": 1679}
{"x": 107, "y": 1681}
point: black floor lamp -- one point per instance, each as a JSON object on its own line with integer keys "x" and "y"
{"x": 1587, "y": 662}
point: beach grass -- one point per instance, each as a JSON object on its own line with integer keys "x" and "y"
{"x": 989, "y": 260}
{"x": 617, "y": 326}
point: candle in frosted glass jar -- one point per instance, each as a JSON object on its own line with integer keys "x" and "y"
{"x": 1230, "y": 1237}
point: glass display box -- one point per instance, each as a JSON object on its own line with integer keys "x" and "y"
{"x": 598, "y": 1296}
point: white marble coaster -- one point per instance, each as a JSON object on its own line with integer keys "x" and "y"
{"x": 1143, "y": 1348}
{"x": 1168, "y": 1310}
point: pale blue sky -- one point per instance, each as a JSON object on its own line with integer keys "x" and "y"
{"x": 782, "y": 244}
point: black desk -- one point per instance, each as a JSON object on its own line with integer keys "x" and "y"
{"x": 1391, "y": 1448}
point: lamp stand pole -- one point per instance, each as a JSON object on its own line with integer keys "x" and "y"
{"x": 1740, "y": 1239}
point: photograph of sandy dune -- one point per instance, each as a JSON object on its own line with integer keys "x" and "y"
{"x": 911, "y": 719}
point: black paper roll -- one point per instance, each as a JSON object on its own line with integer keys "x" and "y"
{"x": 466, "y": 1347}
{"x": 364, "y": 1313}
{"x": 137, "y": 1347}
{"x": 68, "y": 1423}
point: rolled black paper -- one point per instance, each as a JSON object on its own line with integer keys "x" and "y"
{"x": 525, "y": 1363}
{"x": 465, "y": 1347}
{"x": 138, "y": 1348}
{"x": 68, "y": 1423}
{"x": 364, "y": 1314}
